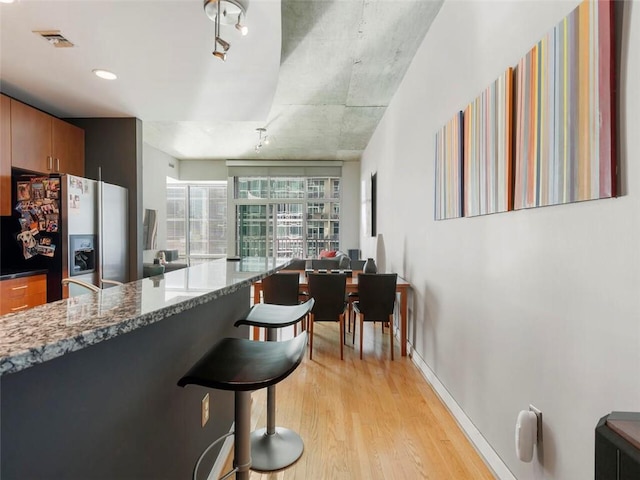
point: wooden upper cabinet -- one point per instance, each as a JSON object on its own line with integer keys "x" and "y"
{"x": 43, "y": 143}
{"x": 5, "y": 155}
{"x": 30, "y": 138}
{"x": 67, "y": 148}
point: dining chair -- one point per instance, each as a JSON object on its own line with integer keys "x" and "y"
{"x": 325, "y": 263}
{"x": 377, "y": 297}
{"x": 356, "y": 265}
{"x": 328, "y": 290}
{"x": 282, "y": 288}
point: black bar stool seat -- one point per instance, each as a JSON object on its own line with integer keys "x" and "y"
{"x": 274, "y": 448}
{"x": 238, "y": 364}
{"x": 268, "y": 315}
{"x": 242, "y": 365}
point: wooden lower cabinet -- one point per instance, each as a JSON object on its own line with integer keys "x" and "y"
{"x": 17, "y": 294}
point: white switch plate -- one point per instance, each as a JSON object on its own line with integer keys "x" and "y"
{"x": 539, "y": 415}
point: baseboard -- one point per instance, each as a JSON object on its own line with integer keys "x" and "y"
{"x": 216, "y": 471}
{"x": 491, "y": 458}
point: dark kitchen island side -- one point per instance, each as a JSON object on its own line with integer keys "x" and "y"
{"x": 88, "y": 387}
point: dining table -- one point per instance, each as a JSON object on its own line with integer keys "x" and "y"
{"x": 402, "y": 288}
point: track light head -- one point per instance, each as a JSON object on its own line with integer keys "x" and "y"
{"x": 221, "y": 55}
{"x": 263, "y": 139}
{"x": 225, "y": 45}
{"x": 243, "y": 29}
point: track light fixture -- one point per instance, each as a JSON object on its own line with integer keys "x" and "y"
{"x": 229, "y": 12}
{"x": 263, "y": 139}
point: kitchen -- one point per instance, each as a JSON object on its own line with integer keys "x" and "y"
{"x": 77, "y": 393}
{"x": 55, "y": 222}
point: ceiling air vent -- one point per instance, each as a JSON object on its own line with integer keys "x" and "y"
{"x": 54, "y": 37}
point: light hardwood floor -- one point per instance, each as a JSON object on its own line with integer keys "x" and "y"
{"x": 366, "y": 419}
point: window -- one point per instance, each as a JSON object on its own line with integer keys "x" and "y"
{"x": 286, "y": 216}
{"x": 176, "y": 215}
{"x": 251, "y": 188}
{"x": 197, "y": 212}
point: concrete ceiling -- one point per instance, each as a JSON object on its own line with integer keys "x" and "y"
{"x": 318, "y": 74}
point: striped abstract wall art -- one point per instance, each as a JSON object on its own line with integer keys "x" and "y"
{"x": 448, "y": 201}
{"x": 488, "y": 171}
{"x": 564, "y": 109}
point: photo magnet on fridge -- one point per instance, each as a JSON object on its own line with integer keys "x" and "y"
{"x": 37, "y": 190}
{"x": 24, "y": 190}
{"x": 28, "y": 242}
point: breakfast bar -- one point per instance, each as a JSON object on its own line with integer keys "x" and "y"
{"x": 88, "y": 384}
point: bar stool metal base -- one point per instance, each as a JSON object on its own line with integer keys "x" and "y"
{"x": 275, "y": 451}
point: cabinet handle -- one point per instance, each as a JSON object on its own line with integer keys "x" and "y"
{"x": 58, "y": 165}
{"x": 49, "y": 163}
{"x": 19, "y": 288}
{"x": 20, "y": 308}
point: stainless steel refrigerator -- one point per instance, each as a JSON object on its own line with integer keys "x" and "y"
{"x": 97, "y": 226}
{"x": 78, "y": 229}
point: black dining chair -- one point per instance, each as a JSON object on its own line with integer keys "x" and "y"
{"x": 377, "y": 297}
{"x": 328, "y": 290}
{"x": 356, "y": 265}
{"x": 325, "y": 264}
{"x": 283, "y": 288}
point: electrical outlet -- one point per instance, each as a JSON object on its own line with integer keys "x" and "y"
{"x": 539, "y": 417}
{"x": 205, "y": 409}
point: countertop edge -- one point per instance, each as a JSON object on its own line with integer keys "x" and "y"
{"x": 27, "y": 273}
{"x": 22, "y": 360}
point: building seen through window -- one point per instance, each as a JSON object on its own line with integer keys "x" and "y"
{"x": 286, "y": 217}
{"x": 197, "y": 220}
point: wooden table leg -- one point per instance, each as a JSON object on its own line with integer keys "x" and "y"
{"x": 255, "y": 331}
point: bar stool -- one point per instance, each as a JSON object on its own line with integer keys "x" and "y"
{"x": 274, "y": 448}
{"x": 242, "y": 366}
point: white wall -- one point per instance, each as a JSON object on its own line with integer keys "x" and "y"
{"x": 203, "y": 170}
{"x": 540, "y": 306}
{"x": 350, "y": 206}
{"x": 156, "y": 167}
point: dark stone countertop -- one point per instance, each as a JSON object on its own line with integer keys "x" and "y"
{"x": 48, "y": 331}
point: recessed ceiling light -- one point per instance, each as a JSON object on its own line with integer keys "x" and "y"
{"x": 106, "y": 74}
{"x": 6, "y": 1}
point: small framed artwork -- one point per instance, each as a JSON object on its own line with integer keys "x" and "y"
{"x": 374, "y": 204}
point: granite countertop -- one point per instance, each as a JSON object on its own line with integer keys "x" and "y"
{"x": 11, "y": 274}
{"x": 52, "y": 330}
